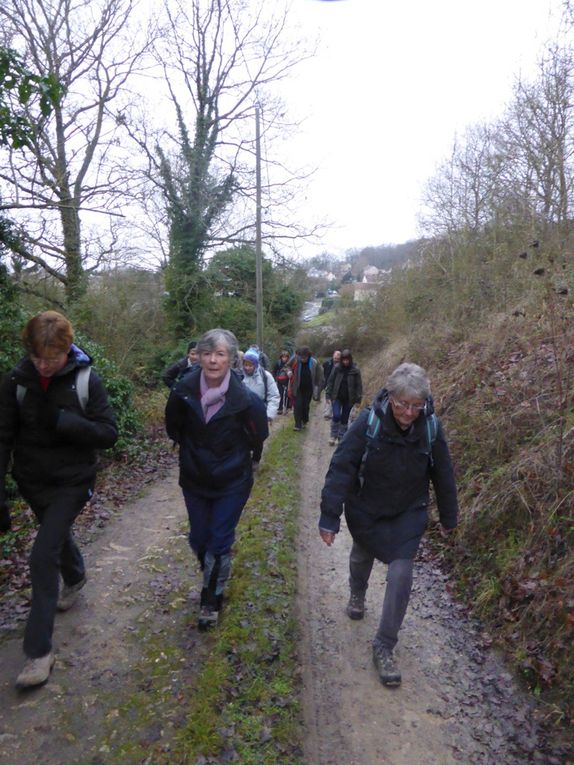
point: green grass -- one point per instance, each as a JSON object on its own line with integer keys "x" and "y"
{"x": 320, "y": 319}
{"x": 246, "y": 701}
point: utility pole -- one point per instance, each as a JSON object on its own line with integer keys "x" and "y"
{"x": 258, "y": 255}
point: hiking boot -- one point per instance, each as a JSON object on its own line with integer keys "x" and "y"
{"x": 386, "y": 666}
{"x": 36, "y": 671}
{"x": 297, "y": 428}
{"x": 209, "y": 609}
{"x": 207, "y": 619}
{"x": 69, "y": 594}
{"x": 356, "y": 606}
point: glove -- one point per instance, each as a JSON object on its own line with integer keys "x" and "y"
{"x": 47, "y": 416}
{"x": 5, "y": 520}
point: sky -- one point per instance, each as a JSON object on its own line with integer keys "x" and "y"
{"x": 391, "y": 85}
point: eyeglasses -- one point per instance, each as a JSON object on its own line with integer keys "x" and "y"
{"x": 403, "y": 406}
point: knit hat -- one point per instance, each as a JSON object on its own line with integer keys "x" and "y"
{"x": 252, "y": 356}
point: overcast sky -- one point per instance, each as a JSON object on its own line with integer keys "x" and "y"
{"x": 389, "y": 88}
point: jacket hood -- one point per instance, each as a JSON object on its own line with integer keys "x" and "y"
{"x": 25, "y": 369}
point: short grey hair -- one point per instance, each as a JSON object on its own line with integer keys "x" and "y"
{"x": 409, "y": 380}
{"x": 213, "y": 338}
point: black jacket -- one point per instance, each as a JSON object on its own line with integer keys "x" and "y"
{"x": 215, "y": 457}
{"x": 175, "y": 371}
{"x": 397, "y": 473}
{"x": 52, "y": 441}
{"x": 354, "y": 383}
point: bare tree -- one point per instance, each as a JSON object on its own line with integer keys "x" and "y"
{"x": 540, "y": 130}
{"x": 72, "y": 165}
{"x": 221, "y": 60}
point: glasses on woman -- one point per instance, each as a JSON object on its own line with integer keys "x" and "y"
{"x": 404, "y": 406}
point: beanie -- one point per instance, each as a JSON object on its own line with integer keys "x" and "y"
{"x": 252, "y": 356}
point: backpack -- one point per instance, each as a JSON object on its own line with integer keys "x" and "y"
{"x": 265, "y": 385}
{"x": 82, "y": 387}
{"x": 372, "y": 433}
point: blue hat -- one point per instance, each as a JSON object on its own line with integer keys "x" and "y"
{"x": 252, "y": 356}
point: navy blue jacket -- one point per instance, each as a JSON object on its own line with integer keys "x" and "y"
{"x": 215, "y": 457}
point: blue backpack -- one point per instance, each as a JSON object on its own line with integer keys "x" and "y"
{"x": 374, "y": 426}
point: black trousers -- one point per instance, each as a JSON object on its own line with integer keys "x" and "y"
{"x": 301, "y": 407}
{"x": 54, "y": 551}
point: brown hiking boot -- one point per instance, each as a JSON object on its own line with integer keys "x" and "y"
{"x": 356, "y": 606}
{"x": 386, "y": 666}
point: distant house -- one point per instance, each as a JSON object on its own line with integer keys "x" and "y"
{"x": 373, "y": 277}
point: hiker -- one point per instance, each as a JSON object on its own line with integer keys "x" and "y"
{"x": 327, "y": 369}
{"x": 182, "y": 366}
{"x": 344, "y": 390}
{"x": 380, "y": 476}
{"x": 304, "y": 384}
{"x": 261, "y": 382}
{"x": 281, "y": 375}
{"x": 220, "y": 427}
{"x": 52, "y": 434}
{"x": 263, "y": 357}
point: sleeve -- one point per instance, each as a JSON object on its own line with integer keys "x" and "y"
{"x": 174, "y": 417}
{"x": 172, "y": 373}
{"x": 8, "y": 427}
{"x": 359, "y": 387}
{"x": 442, "y": 477}
{"x": 330, "y": 382}
{"x": 273, "y": 397}
{"x": 97, "y": 428}
{"x": 257, "y": 425}
{"x": 343, "y": 472}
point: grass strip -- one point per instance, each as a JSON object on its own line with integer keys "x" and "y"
{"x": 246, "y": 704}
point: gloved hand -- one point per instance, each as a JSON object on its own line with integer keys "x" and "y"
{"x": 47, "y": 415}
{"x": 5, "y": 520}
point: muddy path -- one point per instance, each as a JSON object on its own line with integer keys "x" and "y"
{"x": 127, "y": 652}
{"x": 457, "y": 702}
{"x": 123, "y": 651}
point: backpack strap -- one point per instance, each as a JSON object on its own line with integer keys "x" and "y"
{"x": 83, "y": 386}
{"x": 20, "y": 393}
{"x": 372, "y": 432}
{"x": 432, "y": 430}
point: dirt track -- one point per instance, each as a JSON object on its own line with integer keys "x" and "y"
{"x": 457, "y": 703}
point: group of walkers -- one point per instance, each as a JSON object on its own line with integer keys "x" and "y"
{"x": 54, "y": 414}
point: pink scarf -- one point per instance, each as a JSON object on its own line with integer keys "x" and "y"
{"x": 212, "y": 399}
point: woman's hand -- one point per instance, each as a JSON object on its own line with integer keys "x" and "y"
{"x": 327, "y": 536}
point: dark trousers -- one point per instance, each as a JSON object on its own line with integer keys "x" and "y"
{"x": 283, "y": 386}
{"x": 212, "y": 524}
{"x": 397, "y": 591}
{"x": 301, "y": 407}
{"x": 340, "y": 420}
{"x": 54, "y": 551}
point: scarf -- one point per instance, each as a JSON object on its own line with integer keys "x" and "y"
{"x": 212, "y": 399}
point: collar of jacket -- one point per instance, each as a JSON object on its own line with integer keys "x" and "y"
{"x": 237, "y": 397}
{"x": 26, "y": 372}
